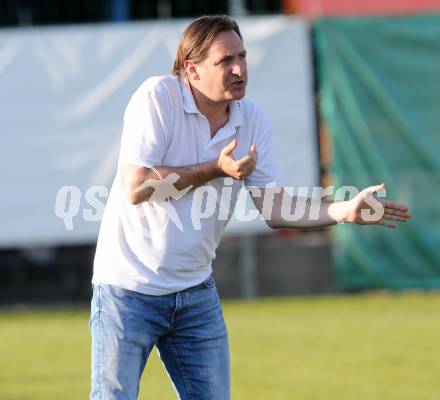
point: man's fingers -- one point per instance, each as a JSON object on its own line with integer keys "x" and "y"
{"x": 250, "y": 159}
{"x": 230, "y": 147}
{"x": 375, "y": 189}
{"x": 403, "y": 214}
{"x": 392, "y": 212}
{"x": 245, "y": 161}
{"x": 253, "y": 152}
{"x": 387, "y": 224}
{"x": 395, "y": 217}
{"x": 393, "y": 205}
{"x": 248, "y": 168}
{"x": 245, "y": 166}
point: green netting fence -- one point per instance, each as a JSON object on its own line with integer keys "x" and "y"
{"x": 380, "y": 98}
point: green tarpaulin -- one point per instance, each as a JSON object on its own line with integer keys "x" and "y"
{"x": 380, "y": 99}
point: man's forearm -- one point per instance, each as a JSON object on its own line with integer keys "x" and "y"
{"x": 147, "y": 181}
{"x": 317, "y": 214}
{"x": 282, "y": 210}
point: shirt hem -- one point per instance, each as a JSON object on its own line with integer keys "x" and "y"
{"x": 142, "y": 288}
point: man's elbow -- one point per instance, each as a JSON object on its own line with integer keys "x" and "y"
{"x": 134, "y": 199}
{"x": 268, "y": 218}
{"x": 133, "y": 181}
{"x": 272, "y": 224}
{"x": 138, "y": 197}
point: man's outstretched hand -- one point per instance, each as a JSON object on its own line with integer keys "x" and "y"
{"x": 364, "y": 209}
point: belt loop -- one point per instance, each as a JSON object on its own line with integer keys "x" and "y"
{"x": 210, "y": 282}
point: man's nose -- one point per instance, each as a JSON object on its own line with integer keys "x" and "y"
{"x": 239, "y": 67}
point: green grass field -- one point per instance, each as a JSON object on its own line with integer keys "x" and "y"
{"x": 365, "y": 347}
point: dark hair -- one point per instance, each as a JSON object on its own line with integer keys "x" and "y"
{"x": 198, "y": 37}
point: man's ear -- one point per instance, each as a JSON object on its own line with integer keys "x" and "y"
{"x": 191, "y": 70}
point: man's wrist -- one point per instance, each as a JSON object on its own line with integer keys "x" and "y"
{"x": 339, "y": 211}
{"x": 217, "y": 171}
{"x": 346, "y": 212}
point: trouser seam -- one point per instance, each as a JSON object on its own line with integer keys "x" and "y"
{"x": 181, "y": 371}
{"x": 99, "y": 344}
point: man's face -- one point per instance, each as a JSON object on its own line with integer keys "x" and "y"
{"x": 222, "y": 76}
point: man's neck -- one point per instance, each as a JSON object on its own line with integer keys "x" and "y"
{"x": 213, "y": 111}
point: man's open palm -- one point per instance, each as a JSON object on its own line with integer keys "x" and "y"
{"x": 364, "y": 209}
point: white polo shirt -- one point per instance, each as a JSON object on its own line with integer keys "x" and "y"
{"x": 166, "y": 246}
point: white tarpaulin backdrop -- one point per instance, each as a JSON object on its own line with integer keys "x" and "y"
{"x": 63, "y": 91}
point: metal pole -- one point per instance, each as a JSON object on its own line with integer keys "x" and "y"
{"x": 164, "y": 9}
{"x": 248, "y": 274}
{"x": 120, "y": 10}
{"x": 236, "y": 8}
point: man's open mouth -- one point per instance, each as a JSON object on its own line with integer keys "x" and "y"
{"x": 238, "y": 83}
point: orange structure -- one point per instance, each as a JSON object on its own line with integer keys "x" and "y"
{"x": 325, "y": 8}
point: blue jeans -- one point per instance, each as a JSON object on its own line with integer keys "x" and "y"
{"x": 187, "y": 328}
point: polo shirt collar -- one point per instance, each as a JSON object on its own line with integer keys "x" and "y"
{"x": 235, "y": 118}
{"x": 189, "y": 105}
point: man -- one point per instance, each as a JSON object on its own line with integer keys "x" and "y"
{"x": 189, "y": 144}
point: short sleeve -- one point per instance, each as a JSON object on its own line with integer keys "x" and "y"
{"x": 146, "y": 127}
{"x": 266, "y": 171}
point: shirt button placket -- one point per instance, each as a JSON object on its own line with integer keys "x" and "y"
{"x": 207, "y": 138}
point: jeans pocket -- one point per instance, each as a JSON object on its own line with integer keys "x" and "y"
{"x": 210, "y": 282}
